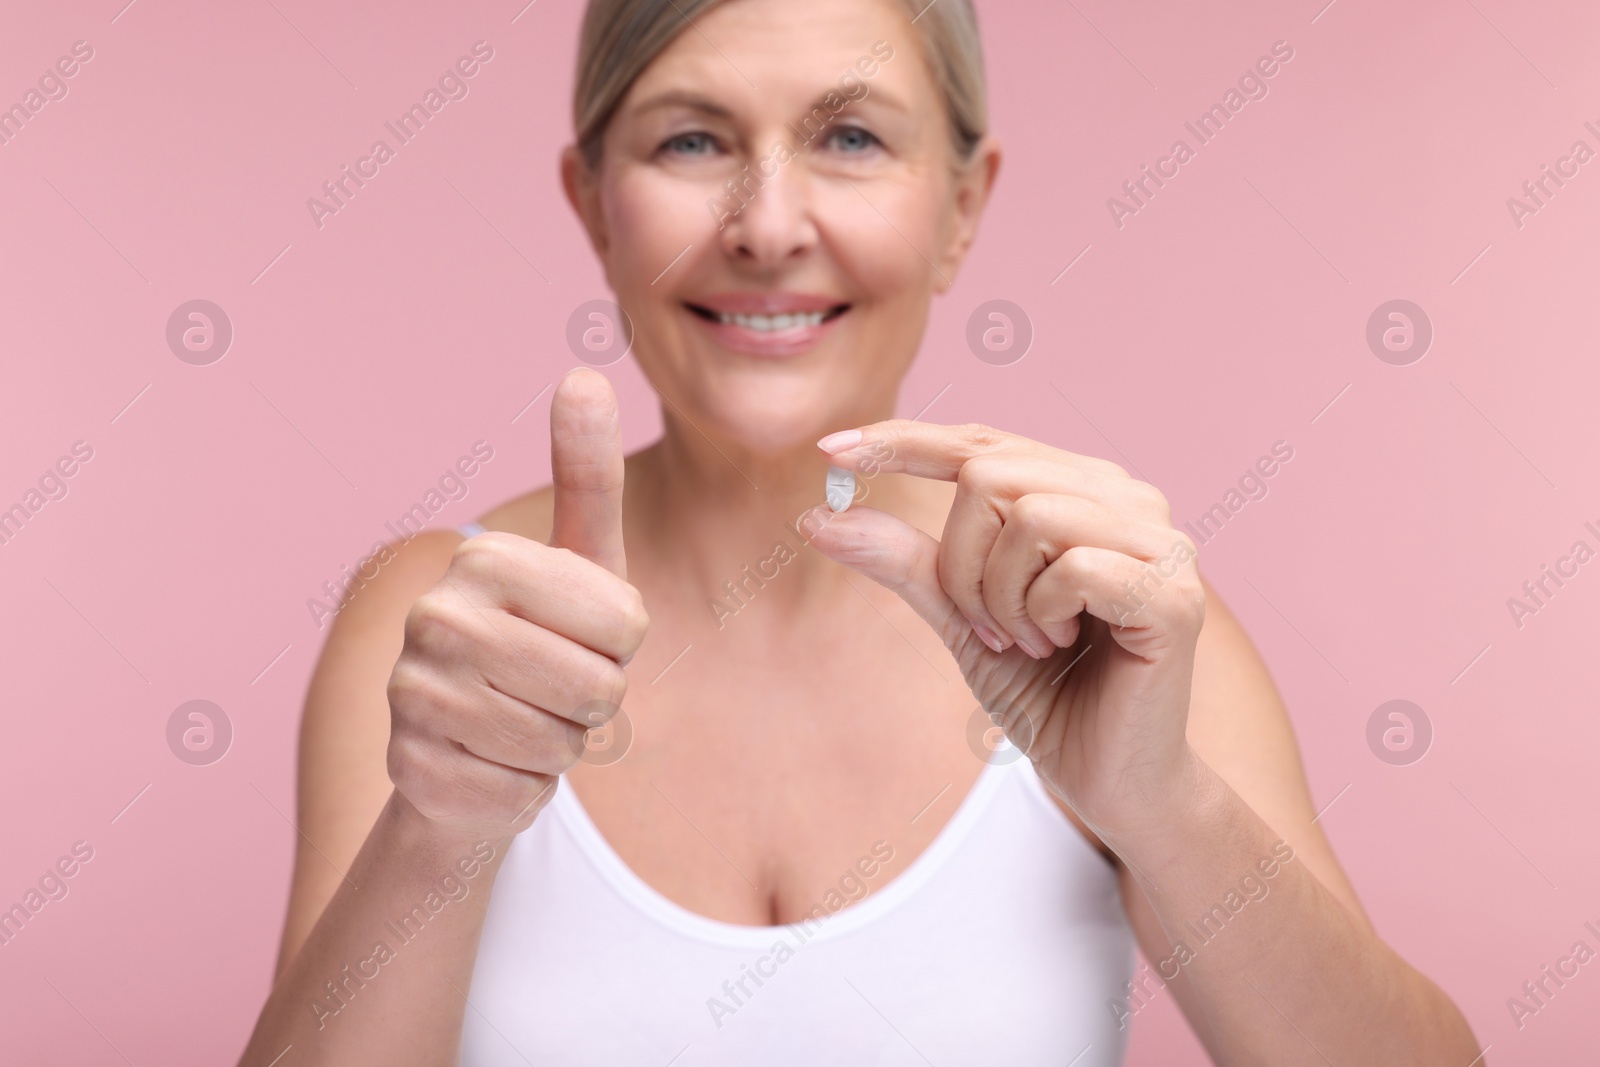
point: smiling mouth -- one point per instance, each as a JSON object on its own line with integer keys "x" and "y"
{"x": 769, "y": 323}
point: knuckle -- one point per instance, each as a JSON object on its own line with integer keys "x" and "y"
{"x": 554, "y": 743}
{"x": 536, "y": 791}
{"x": 400, "y": 680}
{"x": 412, "y": 766}
{"x": 981, "y": 435}
{"x": 407, "y": 683}
{"x": 979, "y": 472}
{"x": 1109, "y": 468}
{"x": 635, "y": 619}
{"x": 431, "y": 623}
{"x": 1034, "y": 511}
{"x": 426, "y": 704}
{"x": 618, "y": 681}
{"x": 608, "y": 684}
{"x": 549, "y": 748}
{"x": 482, "y": 559}
{"x": 474, "y": 552}
{"x": 1153, "y": 498}
{"x": 1074, "y": 564}
{"x": 565, "y": 750}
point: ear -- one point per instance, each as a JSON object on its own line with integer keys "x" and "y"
{"x": 583, "y": 193}
{"x": 973, "y": 181}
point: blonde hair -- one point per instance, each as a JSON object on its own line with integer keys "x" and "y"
{"x": 621, "y": 37}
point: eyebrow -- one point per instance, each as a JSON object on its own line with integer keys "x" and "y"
{"x": 680, "y": 98}
{"x": 705, "y": 105}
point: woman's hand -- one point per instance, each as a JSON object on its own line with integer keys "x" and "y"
{"x": 513, "y": 655}
{"x": 1068, "y": 599}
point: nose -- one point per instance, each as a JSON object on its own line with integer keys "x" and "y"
{"x": 772, "y": 219}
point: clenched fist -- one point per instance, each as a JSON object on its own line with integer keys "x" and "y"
{"x": 518, "y": 650}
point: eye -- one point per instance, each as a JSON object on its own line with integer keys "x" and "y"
{"x": 852, "y": 140}
{"x": 694, "y": 143}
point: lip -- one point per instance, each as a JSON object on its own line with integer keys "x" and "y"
{"x": 771, "y": 344}
{"x": 767, "y": 303}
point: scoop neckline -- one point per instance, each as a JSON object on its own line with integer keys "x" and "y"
{"x": 654, "y": 904}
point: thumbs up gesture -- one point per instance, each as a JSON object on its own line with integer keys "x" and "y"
{"x": 514, "y": 654}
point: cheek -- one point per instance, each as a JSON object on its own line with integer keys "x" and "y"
{"x": 881, "y": 231}
{"x": 652, "y": 218}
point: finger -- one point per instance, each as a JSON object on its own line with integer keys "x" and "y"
{"x": 467, "y": 789}
{"x": 545, "y": 670}
{"x": 933, "y": 450}
{"x": 568, "y": 595}
{"x": 586, "y": 469}
{"x": 525, "y": 661}
{"x": 1039, "y": 528}
{"x": 1151, "y": 606}
{"x": 986, "y": 489}
{"x": 513, "y": 734}
{"x": 897, "y": 556}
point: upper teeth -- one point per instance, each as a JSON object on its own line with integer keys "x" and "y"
{"x": 773, "y": 322}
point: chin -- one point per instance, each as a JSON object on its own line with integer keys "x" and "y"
{"x": 769, "y": 414}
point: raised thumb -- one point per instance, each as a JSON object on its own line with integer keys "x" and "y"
{"x": 586, "y": 469}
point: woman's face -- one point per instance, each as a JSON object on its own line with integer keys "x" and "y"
{"x": 777, "y": 201}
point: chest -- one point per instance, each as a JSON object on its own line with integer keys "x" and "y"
{"x": 746, "y": 788}
{"x": 1009, "y": 915}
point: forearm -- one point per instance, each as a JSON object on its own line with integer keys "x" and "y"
{"x": 1284, "y": 972}
{"x": 382, "y": 976}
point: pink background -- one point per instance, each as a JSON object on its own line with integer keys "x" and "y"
{"x": 1224, "y": 316}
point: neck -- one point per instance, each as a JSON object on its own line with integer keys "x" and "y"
{"x": 703, "y": 511}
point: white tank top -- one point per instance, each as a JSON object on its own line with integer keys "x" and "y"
{"x": 1004, "y": 941}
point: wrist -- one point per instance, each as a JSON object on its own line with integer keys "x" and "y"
{"x": 1170, "y": 815}
{"x": 426, "y": 836}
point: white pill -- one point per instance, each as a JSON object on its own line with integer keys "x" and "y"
{"x": 841, "y": 488}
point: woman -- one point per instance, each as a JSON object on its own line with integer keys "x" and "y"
{"x": 798, "y": 857}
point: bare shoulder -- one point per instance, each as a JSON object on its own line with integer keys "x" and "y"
{"x": 343, "y": 779}
{"x": 529, "y": 515}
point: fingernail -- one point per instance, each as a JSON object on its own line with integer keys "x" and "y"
{"x": 1030, "y": 650}
{"x": 988, "y": 637}
{"x": 838, "y": 442}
